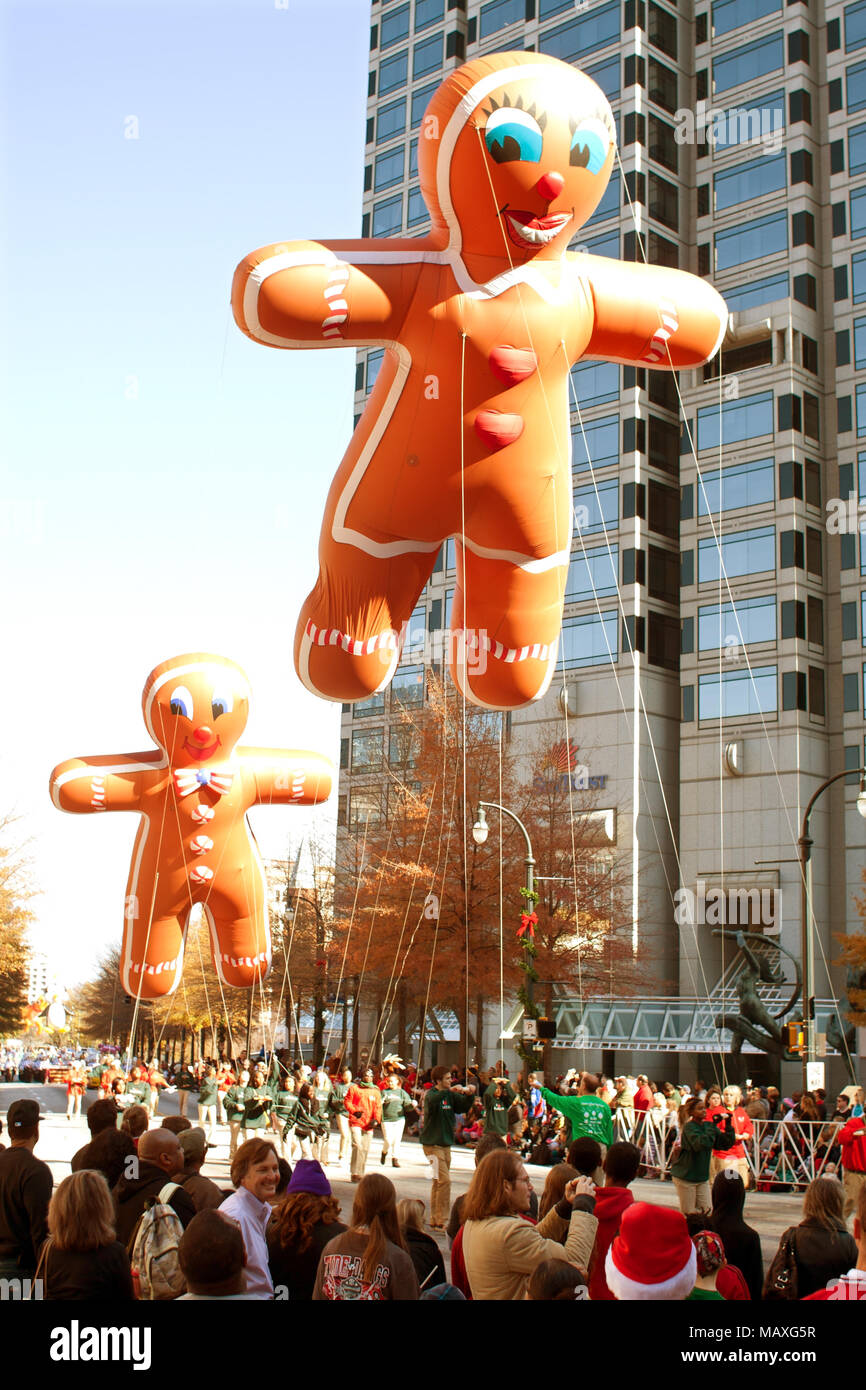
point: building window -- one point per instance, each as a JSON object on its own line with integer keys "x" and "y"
{"x": 663, "y": 511}
{"x": 592, "y": 31}
{"x": 597, "y": 509}
{"x": 402, "y": 746}
{"x": 732, "y": 14}
{"x": 662, "y": 29}
{"x": 858, "y": 212}
{"x": 662, "y": 87}
{"x": 420, "y": 101}
{"x": 793, "y": 690}
{"x": 607, "y": 76}
{"x": 739, "y": 624}
{"x": 855, "y": 27}
{"x": 393, "y": 72}
{"x": 389, "y": 169}
{"x": 737, "y": 693}
{"x": 387, "y": 217}
{"x": 740, "y": 485}
{"x": 663, "y": 574}
{"x": 427, "y": 56}
{"x": 858, "y": 277}
{"x": 592, "y": 574}
{"x": 855, "y": 88}
{"x": 499, "y": 13}
{"x": 600, "y": 448}
{"x": 750, "y": 122}
{"x": 735, "y": 421}
{"x": 590, "y": 640}
{"x": 365, "y": 807}
{"x": 374, "y": 704}
{"x": 753, "y": 180}
{"x": 367, "y": 748}
{"x": 416, "y": 208}
{"x": 595, "y": 382}
{"x": 391, "y": 120}
{"x": 765, "y": 291}
{"x": 662, "y": 144}
{"x": 751, "y": 241}
{"x": 748, "y": 63}
{"x": 415, "y": 634}
{"x": 742, "y": 552}
{"x": 407, "y": 687}
{"x": 427, "y": 12}
{"x": 394, "y": 26}
{"x": 664, "y": 202}
{"x": 609, "y": 205}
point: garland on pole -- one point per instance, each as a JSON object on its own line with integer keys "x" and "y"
{"x": 526, "y": 932}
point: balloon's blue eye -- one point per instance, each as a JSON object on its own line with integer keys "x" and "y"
{"x": 221, "y": 704}
{"x": 181, "y": 702}
{"x": 512, "y": 134}
{"x": 589, "y": 146}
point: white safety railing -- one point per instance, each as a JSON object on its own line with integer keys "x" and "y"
{"x": 781, "y": 1153}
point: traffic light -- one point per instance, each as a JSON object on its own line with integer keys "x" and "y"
{"x": 796, "y": 1032}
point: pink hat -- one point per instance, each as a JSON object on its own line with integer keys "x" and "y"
{"x": 652, "y": 1257}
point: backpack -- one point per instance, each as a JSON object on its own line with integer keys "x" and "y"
{"x": 153, "y": 1246}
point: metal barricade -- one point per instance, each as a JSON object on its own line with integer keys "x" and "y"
{"x": 781, "y": 1154}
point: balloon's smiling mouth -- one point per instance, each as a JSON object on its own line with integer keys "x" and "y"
{"x": 196, "y": 751}
{"x": 525, "y": 229}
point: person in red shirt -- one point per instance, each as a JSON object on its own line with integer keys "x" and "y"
{"x": 734, "y": 1157}
{"x": 642, "y": 1103}
{"x": 621, "y": 1164}
{"x": 363, "y": 1103}
{"x": 852, "y": 1139}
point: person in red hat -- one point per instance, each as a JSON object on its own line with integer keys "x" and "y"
{"x": 653, "y": 1258}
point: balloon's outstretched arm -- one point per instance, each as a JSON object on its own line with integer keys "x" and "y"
{"x": 288, "y": 776}
{"x": 102, "y": 783}
{"x": 302, "y": 294}
{"x": 652, "y": 316}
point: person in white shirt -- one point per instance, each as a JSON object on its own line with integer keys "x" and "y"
{"x": 255, "y": 1174}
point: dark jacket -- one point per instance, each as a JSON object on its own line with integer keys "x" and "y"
{"x": 131, "y": 1195}
{"x": 25, "y": 1191}
{"x": 822, "y": 1254}
{"x": 294, "y": 1270}
{"x": 107, "y": 1153}
{"x": 743, "y": 1249}
{"x": 76, "y": 1275}
{"x": 426, "y": 1257}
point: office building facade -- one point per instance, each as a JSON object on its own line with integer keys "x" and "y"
{"x": 713, "y": 656}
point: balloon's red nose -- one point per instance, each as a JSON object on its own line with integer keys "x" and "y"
{"x": 203, "y": 735}
{"x": 550, "y": 186}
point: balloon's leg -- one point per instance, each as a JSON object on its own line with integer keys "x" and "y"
{"x": 505, "y": 623}
{"x": 151, "y": 956}
{"x": 240, "y": 937}
{"x": 350, "y": 631}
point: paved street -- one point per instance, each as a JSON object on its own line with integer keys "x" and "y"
{"x": 59, "y": 1139}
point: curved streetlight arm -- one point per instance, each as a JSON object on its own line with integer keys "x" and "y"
{"x": 856, "y": 771}
{"x": 495, "y": 806}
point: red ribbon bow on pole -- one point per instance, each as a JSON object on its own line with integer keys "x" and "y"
{"x": 528, "y": 922}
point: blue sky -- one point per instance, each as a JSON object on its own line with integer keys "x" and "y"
{"x": 163, "y": 478}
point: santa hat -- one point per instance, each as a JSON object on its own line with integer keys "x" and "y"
{"x": 652, "y": 1257}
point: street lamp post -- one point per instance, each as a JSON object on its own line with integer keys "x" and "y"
{"x": 479, "y": 834}
{"x": 807, "y": 945}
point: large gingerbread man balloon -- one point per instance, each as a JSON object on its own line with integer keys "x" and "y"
{"x": 193, "y": 843}
{"x": 466, "y": 433}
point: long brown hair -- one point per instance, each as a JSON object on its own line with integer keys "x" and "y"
{"x": 554, "y": 1188}
{"x": 375, "y": 1208}
{"x": 298, "y": 1214}
{"x": 823, "y": 1202}
{"x": 487, "y": 1195}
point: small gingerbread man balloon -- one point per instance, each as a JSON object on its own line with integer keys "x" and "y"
{"x": 194, "y": 845}
{"x": 466, "y": 433}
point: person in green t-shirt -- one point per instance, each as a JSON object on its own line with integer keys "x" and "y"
{"x": 437, "y": 1137}
{"x": 396, "y": 1105}
{"x": 498, "y": 1097}
{"x": 589, "y": 1116}
{"x": 234, "y": 1104}
{"x": 207, "y": 1102}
